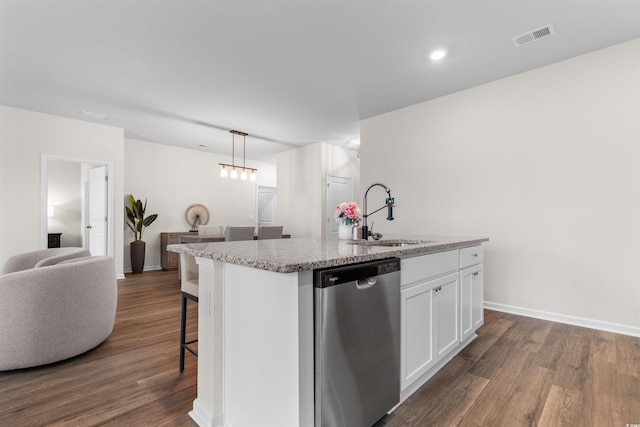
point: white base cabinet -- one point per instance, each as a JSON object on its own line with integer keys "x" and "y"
{"x": 471, "y": 291}
{"x": 441, "y": 308}
{"x": 416, "y": 336}
{"x": 471, "y": 301}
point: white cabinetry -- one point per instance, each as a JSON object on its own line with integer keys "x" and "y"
{"x": 471, "y": 291}
{"x": 430, "y": 312}
{"x": 442, "y": 307}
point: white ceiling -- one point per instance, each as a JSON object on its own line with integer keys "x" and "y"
{"x": 289, "y": 73}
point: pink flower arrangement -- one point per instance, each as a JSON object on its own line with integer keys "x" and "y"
{"x": 347, "y": 212}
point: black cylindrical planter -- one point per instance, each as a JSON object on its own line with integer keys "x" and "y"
{"x": 137, "y": 256}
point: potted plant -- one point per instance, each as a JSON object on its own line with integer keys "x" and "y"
{"x": 137, "y": 223}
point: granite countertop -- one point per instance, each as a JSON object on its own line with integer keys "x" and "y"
{"x": 300, "y": 254}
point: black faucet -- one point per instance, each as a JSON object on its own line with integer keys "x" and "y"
{"x": 388, "y": 204}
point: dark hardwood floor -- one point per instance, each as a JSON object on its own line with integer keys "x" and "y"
{"x": 518, "y": 372}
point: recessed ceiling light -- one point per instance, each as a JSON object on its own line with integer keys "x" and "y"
{"x": 91, "y": 115}
{"x": 438, "y": 54}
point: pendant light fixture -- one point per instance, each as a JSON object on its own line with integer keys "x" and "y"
{"x": 231, "y": 170}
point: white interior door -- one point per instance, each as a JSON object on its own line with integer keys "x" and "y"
{"x": 339, "y": 189}
{"x": 267, "y": 206}
{"x": 97, "y": 215}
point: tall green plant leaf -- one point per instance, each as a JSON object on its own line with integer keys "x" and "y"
{"x": 135, "y": 216}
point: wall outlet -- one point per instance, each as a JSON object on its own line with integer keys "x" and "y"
{"x": 250, "y": 218}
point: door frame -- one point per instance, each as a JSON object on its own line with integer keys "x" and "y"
{"x": 44, "y": 184}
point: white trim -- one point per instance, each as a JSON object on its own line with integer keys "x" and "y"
{"x": 44, "y": 189}
{"x": 204, "y": 417}
{"x": 617, "y": 328}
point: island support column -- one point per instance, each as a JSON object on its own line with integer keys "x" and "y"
{"x": 255, "y": 347}
{"x": 207, "y": 408}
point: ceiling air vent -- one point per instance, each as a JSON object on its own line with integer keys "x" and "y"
{"x": 533, "y": 35}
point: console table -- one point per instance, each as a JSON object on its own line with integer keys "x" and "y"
{"x": 170, "y": 260}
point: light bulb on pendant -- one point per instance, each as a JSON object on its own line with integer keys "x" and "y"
{"x": 223, "y": 172}
{"x": 243, "y": 175}
{"x": 252, "y": 177}
{"x": 234, "y": 173}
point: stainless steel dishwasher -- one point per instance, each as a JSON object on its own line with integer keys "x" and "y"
{"x": 357, "y": 343}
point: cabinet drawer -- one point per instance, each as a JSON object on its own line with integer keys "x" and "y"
{"x": 426, "y": 266}
{"x": 471, "y": 256}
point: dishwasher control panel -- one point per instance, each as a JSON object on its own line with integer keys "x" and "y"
{"x": 336, "y": 275}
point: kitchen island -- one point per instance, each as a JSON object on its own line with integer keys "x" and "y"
{"x": 255, "y": 330}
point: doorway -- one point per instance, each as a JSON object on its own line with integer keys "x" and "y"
{"x": 339, "y": 189}
{"x": 70, "y": 204}
{"x": 266, "y": 206}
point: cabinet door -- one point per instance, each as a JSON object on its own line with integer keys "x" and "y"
{"x": 446, "y": 301}
{"x": 471, "y": 301}
{"x": 477, "y": 314}
{"x": 416, "y": 332}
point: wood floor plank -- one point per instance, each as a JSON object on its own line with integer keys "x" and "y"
{"x": 603, "y": 346}
{"x": 561, "y": 407}
{"x": 628, "y": 396}
{"x": 600, "y": 392}
{"x": 554, "y": 346}
{"x": 571, "y": 368}
{"x": 628, "y": 355}
{"x": 442, "y": 406}
{"x": 514, "y": 396}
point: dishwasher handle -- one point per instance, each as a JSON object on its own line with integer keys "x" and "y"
{"x": 367, "y": 283}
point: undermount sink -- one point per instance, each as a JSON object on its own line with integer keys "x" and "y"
{"x": 390, "y": 242}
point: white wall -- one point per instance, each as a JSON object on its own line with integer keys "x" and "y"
{"x": 546, "y": 164}
{"x": 24, "y": 137}
{"x": 173, "y": 178}
{"x": 302, "y": 185}
{"x": 299, "y": 191}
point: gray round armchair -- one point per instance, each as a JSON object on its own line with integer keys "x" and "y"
{"x": 56, "y": 311}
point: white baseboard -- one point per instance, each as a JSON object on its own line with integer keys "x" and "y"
{"x": 203, "y": 416}
{"x": 563, "y": 318}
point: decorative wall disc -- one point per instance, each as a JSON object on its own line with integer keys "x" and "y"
{"x": 197, "y": 215}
